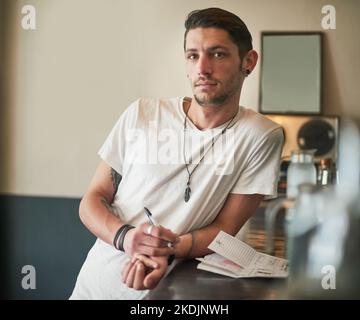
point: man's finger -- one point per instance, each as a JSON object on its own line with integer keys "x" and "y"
{"x": 139, "y": 277}
{"x": 155, "y": 242}
{"x": 130, "y": 276}
{"x": 160, "y": 232}
{"x": 125, "y": 270}
{"x": 148, "y": 262}
{"x": 156, "y": 252}
{"x": 165, "y": 234}
{"x": 152, "y": 279}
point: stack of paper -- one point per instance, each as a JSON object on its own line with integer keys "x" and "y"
{"x": 236, "y": 259}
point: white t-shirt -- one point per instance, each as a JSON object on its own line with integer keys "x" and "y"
{"x": 146, "y": 147}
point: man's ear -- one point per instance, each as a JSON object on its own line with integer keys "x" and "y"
{"x": 249, "y": 62}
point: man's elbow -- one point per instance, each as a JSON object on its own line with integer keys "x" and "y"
{"x": 82, "y": 210}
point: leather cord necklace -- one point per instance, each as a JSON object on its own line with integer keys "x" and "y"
{"x": 188, "y": 189}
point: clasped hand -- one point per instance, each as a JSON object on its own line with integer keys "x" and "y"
{"x": 149, "y": 255}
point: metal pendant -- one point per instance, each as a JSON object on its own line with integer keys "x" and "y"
{"x": 187, "y": 194}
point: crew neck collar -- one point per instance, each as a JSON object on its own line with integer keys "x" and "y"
{"x": 191, "y": 125}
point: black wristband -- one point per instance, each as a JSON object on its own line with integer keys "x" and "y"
{"x": 171, "y": 258}
{"x": 120, "y": 236}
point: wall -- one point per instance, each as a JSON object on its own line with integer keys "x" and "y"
{"x": 46, "y": 234}
{"x": 71, "y": 78}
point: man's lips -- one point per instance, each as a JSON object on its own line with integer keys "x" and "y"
{"x": 205, "y": 84}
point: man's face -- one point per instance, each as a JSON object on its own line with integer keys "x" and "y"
{"x": 213, "y": 66}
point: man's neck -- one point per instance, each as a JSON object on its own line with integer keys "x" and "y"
{"x": 207, "y": 117}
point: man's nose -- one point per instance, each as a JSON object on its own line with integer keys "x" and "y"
{"x": 204, "y": 65}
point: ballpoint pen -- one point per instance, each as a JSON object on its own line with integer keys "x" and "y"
{"x": 153, "y": 223}
{"x": 151, "y": 218}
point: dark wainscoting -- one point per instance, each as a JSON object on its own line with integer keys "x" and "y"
{"x": 47, "y": 234}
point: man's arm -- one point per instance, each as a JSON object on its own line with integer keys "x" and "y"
{"x": 95, "y": 207}
{"x": 238, "y": 208}
{"x": 96, "y": 214}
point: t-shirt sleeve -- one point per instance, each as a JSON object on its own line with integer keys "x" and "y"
{"x": 114, "y": 148}
{"x": 262, "y": 170}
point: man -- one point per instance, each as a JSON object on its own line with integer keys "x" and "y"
{"x": 194, "y": 198}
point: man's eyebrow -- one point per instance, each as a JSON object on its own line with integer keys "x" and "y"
{"x": 217, "y": 47}
{"x": 213, "y": 48}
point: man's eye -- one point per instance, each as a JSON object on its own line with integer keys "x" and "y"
{"x": 192, "y": 57}
{"x": 219, "y": 54}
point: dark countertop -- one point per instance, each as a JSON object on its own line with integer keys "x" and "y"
{"x": 185, "y": 281}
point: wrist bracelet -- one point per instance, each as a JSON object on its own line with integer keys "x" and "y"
{"x": 120, "y": 236}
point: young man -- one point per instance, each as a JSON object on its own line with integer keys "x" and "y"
{"x": 196, "y": 197}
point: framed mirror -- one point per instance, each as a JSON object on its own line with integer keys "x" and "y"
{"x": 290, "y": 81}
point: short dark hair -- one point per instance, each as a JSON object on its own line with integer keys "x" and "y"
{"x": 221, "y": 19}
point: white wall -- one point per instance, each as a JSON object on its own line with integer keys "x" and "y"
{"x": 88, "y": 59}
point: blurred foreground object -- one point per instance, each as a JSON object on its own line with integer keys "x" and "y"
{"x": 324, "y": 234}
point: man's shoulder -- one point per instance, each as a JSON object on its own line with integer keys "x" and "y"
{"x": 158, "y": 102}
{"x": 258, "y": 125}
{"x": 148, "y": 105}
{"x": 262, "y": 122}
{"x": 145, "y": 109}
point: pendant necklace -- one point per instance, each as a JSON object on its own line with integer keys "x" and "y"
{"x": 188, "y": 189}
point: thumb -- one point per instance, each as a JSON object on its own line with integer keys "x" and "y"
{"x": 152, "y": 279}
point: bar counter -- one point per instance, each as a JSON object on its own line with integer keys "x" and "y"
{"x": 185, "y": 281}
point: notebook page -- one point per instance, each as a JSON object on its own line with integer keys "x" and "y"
{"x": 233, "y": 249}
{"x": 253, "y": 263}
{"x": 271, "y": 264}
{"x": 219, "y": 261}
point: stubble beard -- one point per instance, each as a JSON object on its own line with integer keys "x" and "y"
{"x": 231, "y": 87}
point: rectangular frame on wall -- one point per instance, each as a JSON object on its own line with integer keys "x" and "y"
{"x": 291, "y": 73}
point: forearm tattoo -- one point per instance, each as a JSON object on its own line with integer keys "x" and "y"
{"x": 115, "y": 178}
